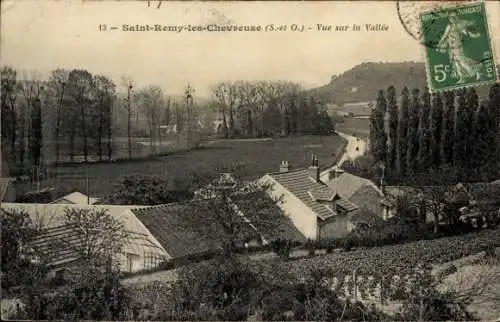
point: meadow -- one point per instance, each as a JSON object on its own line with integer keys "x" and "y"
{"x": 255, "y": 157}
{"x": 359, "y": 127}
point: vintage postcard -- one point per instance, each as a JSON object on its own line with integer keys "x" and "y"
{"x": 250, "y": 160}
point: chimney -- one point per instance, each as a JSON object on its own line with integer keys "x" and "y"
{"x": 284, "y": 166}
{"x": 314, "y": 168}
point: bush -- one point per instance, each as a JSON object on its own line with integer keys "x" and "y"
{"x": 98, "y": 298}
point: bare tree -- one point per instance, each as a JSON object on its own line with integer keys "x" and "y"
{"x": 127, "y": 82}
{"x": 80, "y": 87}
{"x": 9, "y": 113}
{"x": 226, "y": 95}
{"x": 248, "y": 96}
{"x": 104, "y": 92}
{"x": 57, "y": 86}
{"x": 31, "y": 115}
{"x": 151, "y": 101}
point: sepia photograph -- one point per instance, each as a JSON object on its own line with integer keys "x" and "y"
{"x": 250, "y": 160}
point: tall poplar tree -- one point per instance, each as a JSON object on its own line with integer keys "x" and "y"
{"x": 483, "y": 138}
{"x": 472, "y": 106}
{"x": 393, "y": 128}
{"x": 379, "y": 138}
{"x": 461, "y": 128}
{"x": 436, "y": 123}
{"x": 447, "y": 138}
{"x": 413, "y": 122}
{"x": 494, "y": 111}
{"x": 424, "y": 135}
{"x": 402, "y": 133}
{"x": 36, "y": 131}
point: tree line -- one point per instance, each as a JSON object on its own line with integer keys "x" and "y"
{"x": 71, "y": 107}
{"x": 418, "y": 132}
{"x": 75, "y": 113}
{"x": 264, "y": 108}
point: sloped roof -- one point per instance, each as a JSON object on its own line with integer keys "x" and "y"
{"x": 365, "y": 216}
{"x": 299, "y": 183}
{"x": 5, "y": 184}
{"x": 484, "y": 191}
{"x": 183, "y": 229}
{"x": 268, "y": 218}
{"x": 347, "y": 205}
{"x": 57, "y": 241}
{"x": 52, "y": 215}
{"x": 347, "y": 184}
{"x": 323, "y": 194}
{"x": 368, "y": 198}
{"x": 76, "y": 198}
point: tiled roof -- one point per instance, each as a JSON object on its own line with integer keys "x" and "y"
{"x": 52, "y": 215}
{"x": 367, "y": 197}
{"x": 347, "y": 205}
{"x": 186, "y": 229}
{"x": 76, "y": 198}
{"x": 57, "y": 243}
{"x": 347, "y": 184}
{"x": 483, "y": 192}
{"x": 365, "y": 216}
{"x": 323, "y": 194}
{"x": 299, "y": 183}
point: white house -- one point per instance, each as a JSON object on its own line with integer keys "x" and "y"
{"x": 317, "y": 210}
{"x": 76, "y": 198}
{"x": 141, "y": 249}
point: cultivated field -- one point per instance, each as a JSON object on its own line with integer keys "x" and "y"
{"x": 256, "y": 157}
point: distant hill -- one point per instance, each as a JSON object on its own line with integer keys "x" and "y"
{"x": 362, "y": 82}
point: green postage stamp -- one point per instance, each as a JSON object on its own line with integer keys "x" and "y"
{"x": 458, "y": 48}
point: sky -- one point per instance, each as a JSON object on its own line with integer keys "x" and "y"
{"x": 41, "y": 35}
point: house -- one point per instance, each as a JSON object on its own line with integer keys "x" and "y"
{"x": 478, "y": 198}
{"x": 318, "y": 210}
{"x": 58, "y": 243}
{"x": 416, "y": 194}
{"x": 190, "y": 230}
{"x": 167, "y": 129}
{"x": 194, "y": 229}
{"x": 7, "y": 191}
{"x": 76, "y": 198}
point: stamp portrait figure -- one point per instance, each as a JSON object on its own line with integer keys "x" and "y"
{"x": 463, "y": 67}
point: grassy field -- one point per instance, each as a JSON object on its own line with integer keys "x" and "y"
{"x": 257, "y": 158}
{"x": 354, "y": 126}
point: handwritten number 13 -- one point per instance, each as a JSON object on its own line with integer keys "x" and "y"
{"x": 158, "y": 6}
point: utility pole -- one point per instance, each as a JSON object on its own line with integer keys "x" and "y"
{"x": 189, "y": 102}
{"x": 129, "y": 127}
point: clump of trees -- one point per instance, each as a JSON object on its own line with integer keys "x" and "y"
{"x": 68, "y": 114}
{"x": 454, "y": 133}
{"x": 263, "y": 108}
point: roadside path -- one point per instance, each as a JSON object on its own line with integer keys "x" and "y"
{"x": 355, "y": 147}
